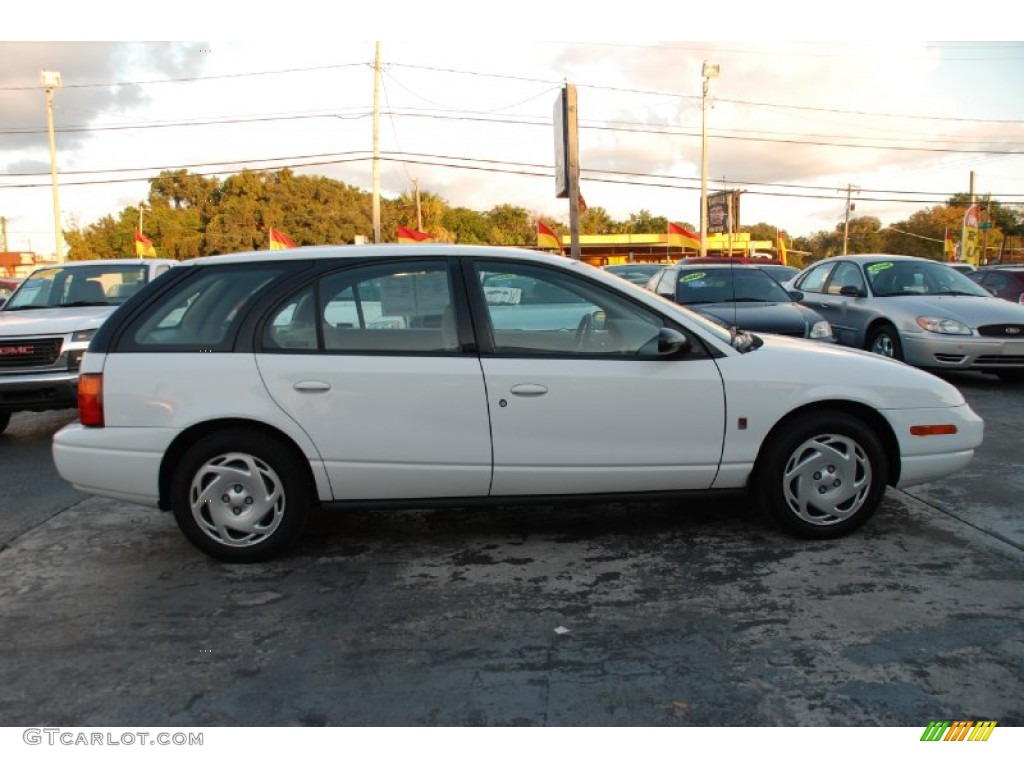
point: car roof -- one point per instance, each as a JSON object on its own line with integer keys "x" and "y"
{"x": 716, "y": 265}
{"x": 756, "y": 260}
{"x": 103, "y": 262}
{"x": 391, "y": 250}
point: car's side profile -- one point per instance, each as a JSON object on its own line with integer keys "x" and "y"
{"x": 241, "y": 390}
{"x": 916, "y": 310}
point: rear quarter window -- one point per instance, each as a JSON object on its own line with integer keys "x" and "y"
{"x": 201, "y": 313}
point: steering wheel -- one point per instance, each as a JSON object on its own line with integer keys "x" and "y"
{"x": 583, "y": 331}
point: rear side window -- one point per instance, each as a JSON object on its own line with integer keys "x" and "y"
{"x": 395, "y": 308}
{"x": 201, "y": 313}
{"x": 814, "y": 280}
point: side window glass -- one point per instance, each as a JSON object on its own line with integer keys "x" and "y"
{"x": 538, "y": 311}
{"x": 293, "y": 324}
{"x": 394, "y": 308}
{"x": 846, "y": 274}
{"x": 814, "y": 281}
{"x": 199, "y": 313}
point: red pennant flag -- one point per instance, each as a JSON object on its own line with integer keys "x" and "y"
{"x": 546, "y": 237}
{"x": 279, "y": 241}
{"x": 143, "y": 245}
{"x": 407, "y": 235}
{"x": 682, "y": 237}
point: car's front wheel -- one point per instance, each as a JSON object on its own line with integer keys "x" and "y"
{"x": 5, "y": 419}
{"x": 885, "y": 341}
{"x": 822, "y": 476}
{"x": 240, "y": 495}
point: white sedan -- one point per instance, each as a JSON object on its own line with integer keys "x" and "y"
{"x": 241, "y": 390}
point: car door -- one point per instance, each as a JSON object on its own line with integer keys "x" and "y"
{"x": 821, "y": 288}
{"x": 579, "y": 400}
{"x": 368, "y": 361}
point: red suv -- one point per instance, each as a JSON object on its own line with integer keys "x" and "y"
{"x": 1006, "y": 282}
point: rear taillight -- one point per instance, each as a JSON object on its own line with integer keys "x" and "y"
{"x": 90, "y": 399}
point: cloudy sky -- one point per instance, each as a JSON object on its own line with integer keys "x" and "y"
{"x": 901, "y": 123}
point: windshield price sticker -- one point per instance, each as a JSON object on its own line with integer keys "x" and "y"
{"x": 879, "y": 266}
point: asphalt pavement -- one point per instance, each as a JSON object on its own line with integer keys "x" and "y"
{"x": 696, "y": 613}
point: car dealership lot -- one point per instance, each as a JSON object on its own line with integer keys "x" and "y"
{"x": 615, "y": 614}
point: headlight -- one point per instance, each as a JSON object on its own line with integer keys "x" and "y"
{"x": 821, "y": 330}
{"x": 943, "y": 325}
{"x": 83, "y": 335}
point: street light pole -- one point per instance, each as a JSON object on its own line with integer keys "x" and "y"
{"x": 707, "y": 72}
{"x": 50, "y": 81}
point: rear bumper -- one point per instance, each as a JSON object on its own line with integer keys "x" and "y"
{"x": 118, "y": 463}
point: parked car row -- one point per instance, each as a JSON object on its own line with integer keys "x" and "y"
{"x": 923, "y": 312}
{"x": 240, "y": 391}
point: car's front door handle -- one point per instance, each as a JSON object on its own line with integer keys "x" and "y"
{"x": 311, "y": 386}
{"x": 529, "y": 390}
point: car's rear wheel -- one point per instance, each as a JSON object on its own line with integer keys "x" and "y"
{"x": 240, "y": 495}
{"x": 5, "y": 419}
{"x": 885, "y": 341}
{"x": 822, "y": 476}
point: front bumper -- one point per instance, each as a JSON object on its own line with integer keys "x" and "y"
{"x": 50, "y": 390}
{"x": 964, "y": 353}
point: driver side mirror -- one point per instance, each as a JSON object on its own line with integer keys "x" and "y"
{"x": 672, "y": 342}
{"x": 851, "y": 290}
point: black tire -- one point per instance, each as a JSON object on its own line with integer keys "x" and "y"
{"x": 885, "y": 341}
{"x": 5, "y": 419}
{"x": 240, "y": 496}
{"x": 822, "y": 476}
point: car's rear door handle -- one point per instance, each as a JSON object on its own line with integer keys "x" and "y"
{"x": 529, "y": 390}
{"x": 311, "y": 386}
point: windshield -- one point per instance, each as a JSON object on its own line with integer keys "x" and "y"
{"x": 78, "y": 286}
{"x": 713, "y": 285}
{"x": 919, "y": 278}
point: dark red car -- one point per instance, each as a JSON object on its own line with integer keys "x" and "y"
{"x": 7, "y": 286}
{"x": 1006, "y": 282}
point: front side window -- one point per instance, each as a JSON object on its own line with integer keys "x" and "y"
{"x": 847, "y": 275}
{"x": 536, "y": 311}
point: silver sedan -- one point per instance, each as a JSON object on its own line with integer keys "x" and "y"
{"x": 917, "y": 310}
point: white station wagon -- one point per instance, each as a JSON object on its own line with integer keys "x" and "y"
{"x": 241, "y": 390}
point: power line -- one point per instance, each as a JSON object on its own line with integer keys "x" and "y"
{"x": 503, "y": 166}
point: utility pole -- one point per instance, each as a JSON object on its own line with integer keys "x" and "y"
{"x": 846, "y": 226}
{"x": 376, "y": 144}
{"x": 708, "y": 71}
{"x": 963, "y": 229}
{"x": 51, "y": 80}
{"x": 3, "y": 234}
{"x": 573, "y": 160}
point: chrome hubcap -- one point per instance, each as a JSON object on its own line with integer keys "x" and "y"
{"x": 827, "y": 479}
{"x": 883, "y": 346}
{"x": 237, "y": 499}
